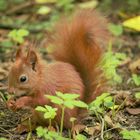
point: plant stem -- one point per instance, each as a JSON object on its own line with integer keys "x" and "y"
{"x": 50, "y": 123}
{"x": 62, "y": 120}
{"x": 120, "y": 106}
{"x": 113, "y": 110}
{"x": 30, "y": 128}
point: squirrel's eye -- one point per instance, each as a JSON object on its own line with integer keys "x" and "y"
{"x": 23, "y": 78}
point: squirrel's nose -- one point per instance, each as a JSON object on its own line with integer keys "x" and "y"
{"x": 11, "y": 90}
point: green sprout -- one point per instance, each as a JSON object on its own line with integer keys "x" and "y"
{"x": 105, "y": 101}
{"x": 49, "y": 112}
{"x": 130, "y": 135}
{"x": 110, "y": 62}
{"x": 66, "y": 100}
{"x": 136, "y": 79}
{"x": 18, "y": 35}
{"x": 137, "y": 95}
{"x": 49, "y": 135}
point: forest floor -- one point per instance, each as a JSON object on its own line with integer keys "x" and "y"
{"x": 127, "y": 116}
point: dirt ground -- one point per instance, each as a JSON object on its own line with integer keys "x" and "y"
{"x": 128, "y": 116}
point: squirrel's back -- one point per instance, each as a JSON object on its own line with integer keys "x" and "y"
{"x": 81, "y": 42}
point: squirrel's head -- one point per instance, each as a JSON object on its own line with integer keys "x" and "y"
{"x": 24, "y": 74}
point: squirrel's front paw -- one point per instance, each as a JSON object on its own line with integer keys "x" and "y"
{"x": 11, "y": 104}
{"x": 19, "y": 104}
{"x": 15, "y": 105}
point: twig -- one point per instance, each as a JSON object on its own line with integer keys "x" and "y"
{"x": 92, "y": 138}
{"x": 6, "y": 131}
{"x": 3, "y": 88}
{"x": 102, "y": 129}
{"x": 2, "y": 96}
{"x": 12, "y": 26}
{"x": 135, "y": 89}
{"x": 19, "y": 7}
{"x": 120, "y": 105}
{"x": 115, "y": 92}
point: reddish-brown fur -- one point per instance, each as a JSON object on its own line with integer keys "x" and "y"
{"x": 78, "y": 50}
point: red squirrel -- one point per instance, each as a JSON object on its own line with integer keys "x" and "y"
{"x": 79, "y": 44}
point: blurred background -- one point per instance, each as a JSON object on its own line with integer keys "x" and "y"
{"x": 20, "y": 19}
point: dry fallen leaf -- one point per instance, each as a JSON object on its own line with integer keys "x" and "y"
{"x": 133, "y": 23}
{"x": 124, "y": 98}
{"x": 78, "y": 128}
{"x": 95, "y": 130}
{"x": 109, "y": 121}
{"x": 3, "y": 73}
{"x": 135, "y": 67}
{"x": 133, "y": 111}
{"x": 125, "y": 62}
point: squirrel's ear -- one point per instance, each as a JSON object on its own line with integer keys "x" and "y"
{"x": 32, "y": 59}
{"x": 19, "y": 53}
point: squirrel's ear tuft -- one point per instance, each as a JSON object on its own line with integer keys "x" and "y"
{"x": 19, "y": 53}
{"x": 32, "y": 59}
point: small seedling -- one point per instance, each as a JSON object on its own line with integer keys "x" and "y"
{"x": 137, "y": 95}
{"x": 80, "y": 137}
{"x": 66, "y": 5}
{"x": 130, "y": 135}
{"x": 109, "y": 67}
{"x": 103, "y": 102}
{"x": 67, "y": 100}
{"x": 17, "y": 36}
{"x": 49, "y": 112}
{"x": 3, "y": 139}
{"x": 115, "y": 29}
{"x": 136, "y": 79}
{"x": 49, "y": 135}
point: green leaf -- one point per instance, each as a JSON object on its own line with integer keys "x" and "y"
{"x": 3, "y": 5}
{"x": 40, "y": 108}
{"x": 80, "y": 137}
{"x": 55, "y": 99}
{"x": 88, "y": 4}
{"x": 6, "y": 43}
{"x": 59, "y": 94}
{"x": 114, "y": 107}
{"x": 69, "y": 104}
{"x": 137, "y": 95}
{"x": 41, "y": 131}
{"x": 22, "y": 32}
{"x": 48, "y": 115}
{"x": 103, "y": 96}
{"x": 12, "y": 33}
{"x": 67, "y": 96}
{"x": 109, "y": 67}
{"x": 80, "y": 104}
{"x": 17, "y": 35}
{"x": 130, "y": 135}
{"x": 51, "y": 112}
{"x": 3, "y": 138}
{"x": 109, "y": 104}
{"x": 98, "y": 101}
{"x": 116, "y": 30}
{"x": 136, "y": 79}
{"x": 45, "y": 1}
{"x": 108, "y": 99}
{"x": 44, "y": 10}
{"x": 121, "y": 56}
{"x": 133, "y": 23}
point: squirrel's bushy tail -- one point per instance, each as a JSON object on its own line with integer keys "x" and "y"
{"x": 80, "y": 42}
